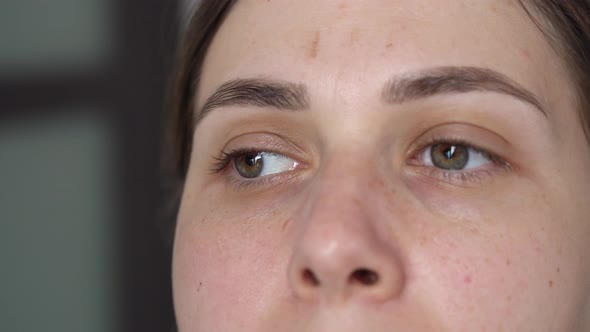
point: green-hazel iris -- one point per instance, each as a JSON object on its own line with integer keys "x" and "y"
{"x": 449, "y": 156}
{"x": 249, "y": 165}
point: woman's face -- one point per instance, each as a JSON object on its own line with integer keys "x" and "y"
{"x": 384, "y": 166}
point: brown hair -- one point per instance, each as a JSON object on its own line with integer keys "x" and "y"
{"x": 566, "y": 23}
{"x": 191, "y": 53}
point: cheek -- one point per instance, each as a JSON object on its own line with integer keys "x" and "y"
{"x": 501, "y": 271}
{"x": 223, "y": 271}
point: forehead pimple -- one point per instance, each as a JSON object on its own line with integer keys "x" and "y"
{"x": 355, "y": 36}
{"x": 314, "y": 45}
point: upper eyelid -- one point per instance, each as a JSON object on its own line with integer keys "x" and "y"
{"x": 266, "y": 141}
{"x": 460, "y": 132}
{"x": 418, "y": 149}
{"x": 478, "y": 138}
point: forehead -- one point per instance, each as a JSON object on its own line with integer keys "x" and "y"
{"x": 340, "y": 44}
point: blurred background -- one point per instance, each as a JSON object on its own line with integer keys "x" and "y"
{"x": 82, "y": 110}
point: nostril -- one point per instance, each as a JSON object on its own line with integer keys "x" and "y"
{"x": 365, "y": 277}
{"x": 310, "y": 278}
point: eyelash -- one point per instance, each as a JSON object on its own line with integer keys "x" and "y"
{"x": 226, "y": 157}
{"x": 461, "y": 177}
{"x": 223, "y": 161}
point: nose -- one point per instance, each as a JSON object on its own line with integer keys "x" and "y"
{"x": 343, "y": 254}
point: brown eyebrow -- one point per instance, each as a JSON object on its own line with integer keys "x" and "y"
{"x": 442, "y": 80}
{"x": 262, "y": 92}
{"x": 256, "y": 92}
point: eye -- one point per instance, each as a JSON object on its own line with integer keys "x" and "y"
{"x": 454, "y": 157}
{"x": 256, "y": 164}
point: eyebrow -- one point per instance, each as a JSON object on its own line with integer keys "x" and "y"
{"x": 445, "y": 80}
{"x": 258, "y": 92}
{"x": 280, "y": 95}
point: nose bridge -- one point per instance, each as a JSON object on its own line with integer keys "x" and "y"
{"x": 339, "y": 254}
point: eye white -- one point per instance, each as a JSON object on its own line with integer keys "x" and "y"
{"x": 273, "y": 163}
{"x": 475, "y": 158}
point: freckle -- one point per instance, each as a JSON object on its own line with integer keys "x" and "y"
{"x": 508, "y": 262}
{"x": 389, "y": 45}
{"x": 285, "y": 223}
{"x": 313, "y": 50}
{"x": 354, "y": 36}
{"x": 467, "y": 279}
{"x": 423, "y": 240}
{"x": 199, "y": 288}
{"x": 558, "y": 270}
{"x": 550, "y": 283}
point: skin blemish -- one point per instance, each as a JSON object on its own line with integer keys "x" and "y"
{"x": 343, "y": 6}
{"x": 200, "y": 286}
{"x": 508, "y": 262}
{"x": 550, "y": 283}
{"x": 355, "y": 36}
{"x": 315, "y": 42}
{"x": 423, "y": 241}
{"x": 467, "y": 279}
{"x": 285, "y": 224}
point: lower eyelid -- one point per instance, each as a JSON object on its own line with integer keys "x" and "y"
{"x": 462, "y": 177}
{"x": 455, "y": 177}
{"x": 238, "y": 183}
{"x": 267, "y": 181}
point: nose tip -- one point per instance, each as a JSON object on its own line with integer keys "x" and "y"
{"x": 344, "y": 249}
{"x": 336, "y": 278}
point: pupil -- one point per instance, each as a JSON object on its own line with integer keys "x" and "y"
{"x": 450, "y": 152}
{"x": 251, "y": 160}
